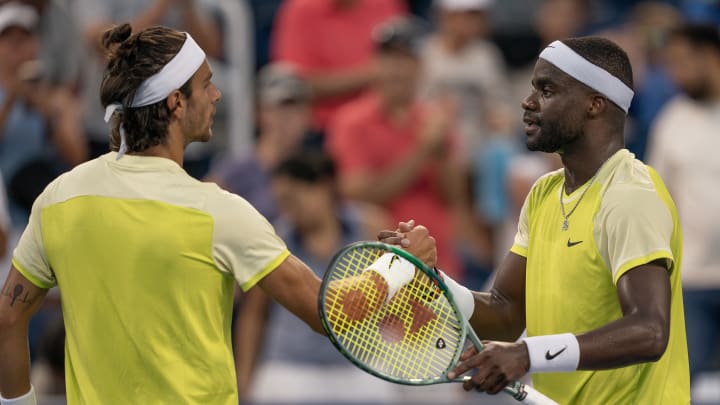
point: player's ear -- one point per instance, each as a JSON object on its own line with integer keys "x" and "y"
{"x": 597, "y": 105}
{"x": 176, "y": 102}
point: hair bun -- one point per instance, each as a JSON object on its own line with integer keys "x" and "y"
{"x": 116, "y": 35}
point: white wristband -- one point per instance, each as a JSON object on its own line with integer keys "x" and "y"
{"x": 462, "y": 295}
{"x": 395, "y": 270}
{"x": 27, "y": 399}
{"x": 553, "y": 353}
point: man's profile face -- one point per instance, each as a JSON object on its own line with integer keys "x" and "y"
{"x": 201, "y": 106}
{"x": 554, "y": 109}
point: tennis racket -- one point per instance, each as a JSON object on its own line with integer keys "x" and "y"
{"x": 414, "y": 337}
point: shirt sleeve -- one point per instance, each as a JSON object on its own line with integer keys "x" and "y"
{"x": 635, "y": 228}
{"x": 29, "y": 257}
{"x": 522, "y": 237}
{"x": 244, "y": 243}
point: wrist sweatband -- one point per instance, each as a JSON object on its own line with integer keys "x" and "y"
{"x": 395, "y": 270}
{"x": 27, "y": 399}
{"x": 461, "y": 294}
{"x": 553, "y": 353}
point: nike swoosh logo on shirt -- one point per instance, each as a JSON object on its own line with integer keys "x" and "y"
{"x": 571, "y": 244}
{"x": 549, "y": 356}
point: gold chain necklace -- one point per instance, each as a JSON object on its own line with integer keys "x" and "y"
{"x": 566, "y": 217}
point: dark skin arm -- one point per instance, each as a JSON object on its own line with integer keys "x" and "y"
{"x": 19, "y": 300}
{"x": 641, "y": 335}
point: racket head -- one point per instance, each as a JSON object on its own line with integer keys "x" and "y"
{"x": 415, "y": 338}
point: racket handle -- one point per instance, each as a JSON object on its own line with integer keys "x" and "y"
{"x": 535, "y": 397}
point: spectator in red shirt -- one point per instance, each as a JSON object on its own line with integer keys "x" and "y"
{"x": 330, "y": 42}
{"x": 396, "y": 151}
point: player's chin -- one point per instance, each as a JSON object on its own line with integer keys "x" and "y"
{"x": 205, "y": 136}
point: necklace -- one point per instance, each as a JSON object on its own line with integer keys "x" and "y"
{"x": 566, "y": 217}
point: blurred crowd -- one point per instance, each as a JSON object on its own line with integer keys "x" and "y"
{"x": 342, "y": 117}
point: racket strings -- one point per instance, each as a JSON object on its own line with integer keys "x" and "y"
{"x": 413, "y": 336}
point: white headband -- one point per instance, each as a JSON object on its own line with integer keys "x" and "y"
{"x": 588, "y": 73}
{"x": 158, "y": 86}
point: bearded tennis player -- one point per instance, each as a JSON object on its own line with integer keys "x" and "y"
{"x": 594, "y": 271}
{"x": 144, "y": 255}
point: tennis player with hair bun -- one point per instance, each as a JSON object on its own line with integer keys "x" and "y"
{"x": 594, "y": 272}
{"x": 144, "y": 255}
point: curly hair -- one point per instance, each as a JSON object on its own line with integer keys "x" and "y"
{"x": 131, "y": 60}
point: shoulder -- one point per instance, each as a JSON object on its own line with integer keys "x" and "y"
{"x": 70, "y": 183}
{"x": 633, "y": 189}
{"x": 546, "y": 183}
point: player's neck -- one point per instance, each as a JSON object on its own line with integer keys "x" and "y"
{"x": 583, "y": 161}
{"x": 172, "y": 148}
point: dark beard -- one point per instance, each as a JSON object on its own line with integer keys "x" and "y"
{"x": 553, "y": 137}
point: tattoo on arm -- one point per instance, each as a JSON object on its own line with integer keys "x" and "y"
{"x": 15, "y": 295}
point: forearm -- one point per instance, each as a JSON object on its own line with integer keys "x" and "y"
{"x": 325, "y": 85}
{"x": 497, "y": 318}
{"x": 14, "y": 361}
{"x": 630, "y": 340}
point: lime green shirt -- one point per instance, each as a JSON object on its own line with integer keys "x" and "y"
{"x": 145, "y": 258}
{"x": 625, "y": 219}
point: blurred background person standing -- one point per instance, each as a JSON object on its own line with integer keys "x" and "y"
{"x": 683, "y": 148}
{"x": 460, "y": 61}
{"x": 330, "y": 43}
{"x": 396, "y": 151}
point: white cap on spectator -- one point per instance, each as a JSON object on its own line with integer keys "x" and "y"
{"x": 17, "y": 15}
{"x": 464, "y": 5}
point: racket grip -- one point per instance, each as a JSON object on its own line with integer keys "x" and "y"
{"x": 535, "y": 397}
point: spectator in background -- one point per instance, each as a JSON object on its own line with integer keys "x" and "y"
{"x": 644, "y": 36}
{"x": 39, "y": 123}
{"x": 555, "y": 20}
{"x": 330, "y": 42}
{"x": 315, "y": 224}
{"x": 95, "y": 16}
{"x": 284, "y": 120}
{"x": 459, "y": 61}
{"x": 396, "y": 151}
{"x": 683, "y": 147}
{"x": 61, "y": 48}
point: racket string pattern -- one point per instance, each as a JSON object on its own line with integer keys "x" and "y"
{"x": 413, "y": 336}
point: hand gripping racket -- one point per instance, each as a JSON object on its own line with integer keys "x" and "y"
{"x": 415, "y": 336}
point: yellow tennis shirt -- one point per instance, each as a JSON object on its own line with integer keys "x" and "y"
{"x": 625, "y": 219}
{"x": 145, "y": 257}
